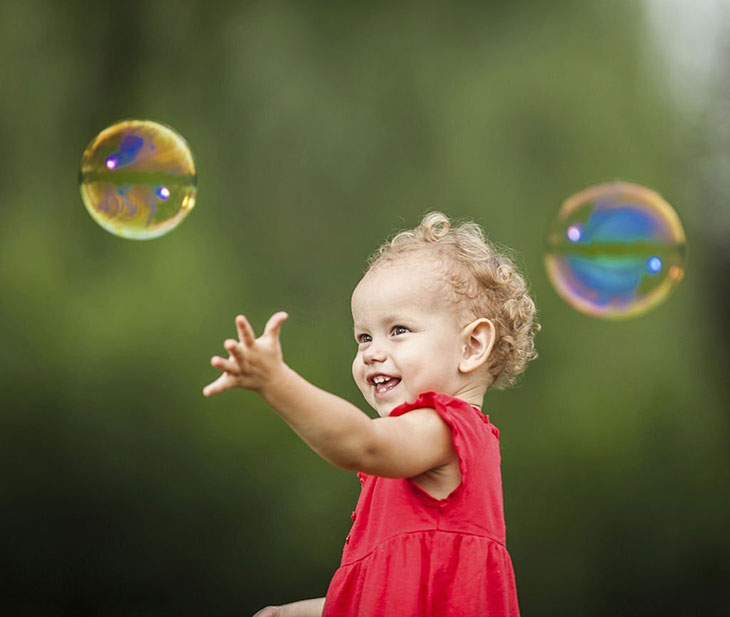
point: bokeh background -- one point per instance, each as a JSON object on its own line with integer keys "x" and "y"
{"x": 319, "y": 129}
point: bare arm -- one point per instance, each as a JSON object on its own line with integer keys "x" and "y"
{"x": 335, "y": 429}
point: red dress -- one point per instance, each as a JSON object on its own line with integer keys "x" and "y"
{"x": 409, "y": 554}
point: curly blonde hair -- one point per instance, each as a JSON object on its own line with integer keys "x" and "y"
{"x": 485, "y": 282}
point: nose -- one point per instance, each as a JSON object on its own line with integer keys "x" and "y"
{"x": 373, "y": 353}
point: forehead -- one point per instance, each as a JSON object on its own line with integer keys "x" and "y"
{"x": 402, "y": 287}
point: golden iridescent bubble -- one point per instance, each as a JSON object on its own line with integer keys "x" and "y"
{"x": 615, "y": 250}
{"x": 138, "y": 179}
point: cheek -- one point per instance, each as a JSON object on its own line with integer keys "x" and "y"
{"x": 358, "y": 375}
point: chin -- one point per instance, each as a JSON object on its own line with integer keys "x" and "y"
{"x": 383, "y": 409}
{"x": 386, "y": 407}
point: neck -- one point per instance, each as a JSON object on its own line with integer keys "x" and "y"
{"x": 472, "y": 393}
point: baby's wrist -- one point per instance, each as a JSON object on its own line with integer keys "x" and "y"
{"x": 275, "y": 382}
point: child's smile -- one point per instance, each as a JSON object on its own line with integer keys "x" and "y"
{"x": 383, "y": 384}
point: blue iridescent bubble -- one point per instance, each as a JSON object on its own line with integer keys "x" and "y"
{"x": 615, "y": 250}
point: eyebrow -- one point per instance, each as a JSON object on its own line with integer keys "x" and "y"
{"x": 387, "y": 319}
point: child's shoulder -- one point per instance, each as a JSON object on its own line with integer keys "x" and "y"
{"x": 407, "y": 444}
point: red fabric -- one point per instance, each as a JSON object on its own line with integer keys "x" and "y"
{"x": 409, "y": 554}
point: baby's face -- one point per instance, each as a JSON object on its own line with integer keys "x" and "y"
{"x": 408, "y": 335}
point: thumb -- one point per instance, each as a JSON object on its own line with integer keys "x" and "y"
{"x": 273, "y": 326}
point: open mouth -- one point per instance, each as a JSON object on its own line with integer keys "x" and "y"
{"x": 383, "y": 383}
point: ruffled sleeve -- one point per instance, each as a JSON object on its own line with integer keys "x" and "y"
{"x": 445, "y": 407}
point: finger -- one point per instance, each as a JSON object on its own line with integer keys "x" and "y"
{"x": 273, "y": 326}
{"x": 245, "y": 331}
{"x": 235, "y": 349}
{"x": 225, "y": 364}
{"x": 219, "y": 385}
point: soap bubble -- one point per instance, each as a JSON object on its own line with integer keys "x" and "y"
{"x": 615, "y": 250}
{"x": 138, "y": 179}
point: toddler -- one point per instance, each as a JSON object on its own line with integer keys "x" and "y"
{"x": 439, "y": 318}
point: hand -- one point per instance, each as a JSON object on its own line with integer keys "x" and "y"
{"x": 269, "y": 611}
{"x": 252, "y": 363}
{"x": 303, "y": 608}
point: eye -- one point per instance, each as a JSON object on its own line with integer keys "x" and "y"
{"x": 363, "y": 338}
{"x": 399, "y": 330}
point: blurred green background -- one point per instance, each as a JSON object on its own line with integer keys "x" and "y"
{"x": 319, "y": 129}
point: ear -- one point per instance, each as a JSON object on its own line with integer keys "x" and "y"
{"x": 478, "y": 340}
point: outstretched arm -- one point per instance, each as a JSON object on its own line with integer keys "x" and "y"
{"x": 399, "y": 447}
